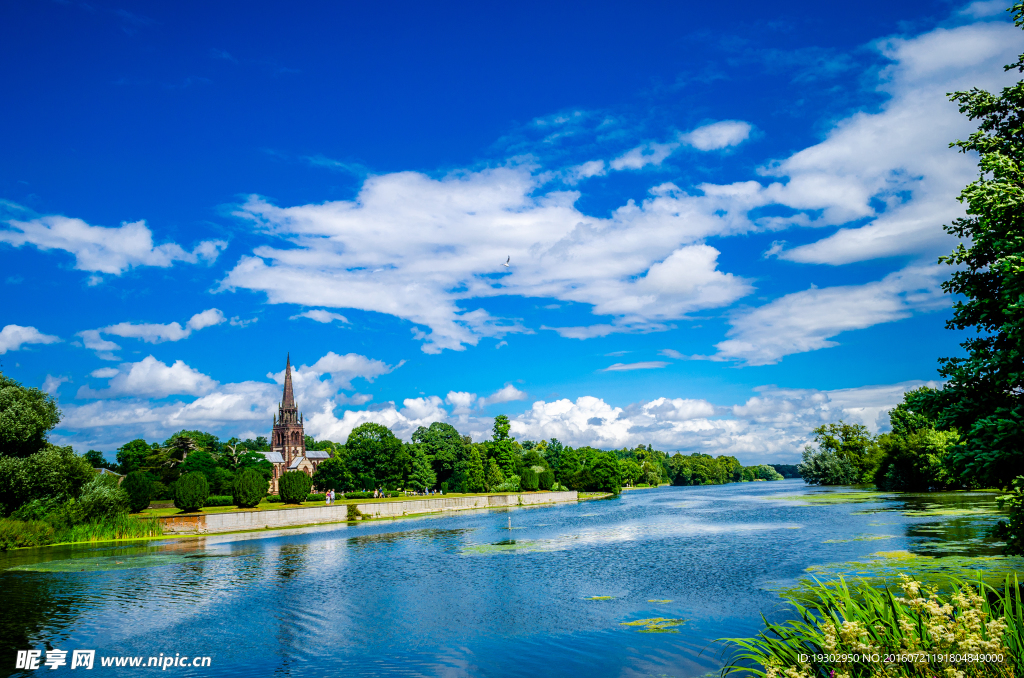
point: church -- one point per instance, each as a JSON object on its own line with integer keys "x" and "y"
{"x": 288, "y": 439}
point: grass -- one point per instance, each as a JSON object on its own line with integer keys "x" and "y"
{"x": 26, "y": 534}
{"x": 853, "y": 629}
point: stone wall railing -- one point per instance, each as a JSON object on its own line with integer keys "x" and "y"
{"x": 236, "y": 521}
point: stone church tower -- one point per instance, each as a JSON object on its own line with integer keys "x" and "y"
{"x": 287, "y": 439}
{"x": 288, "y": 436}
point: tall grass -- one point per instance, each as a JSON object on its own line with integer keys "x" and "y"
{"x": 854, "y": 631}
{"x": 23, "y": 533}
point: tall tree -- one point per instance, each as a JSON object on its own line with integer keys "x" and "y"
{"x": 984, "y": 395}
{"x": 132, "y": 455}
{"x": 377, "y": 454}
{"x": 443, "y": 445}
{"x": 26, "y": 416}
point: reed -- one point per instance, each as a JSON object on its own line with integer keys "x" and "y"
{"x": 118, "y": 527}
{"x": 844, "y": 632}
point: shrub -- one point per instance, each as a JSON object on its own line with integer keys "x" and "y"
{"x": 191, "y": 491}
{"x": 294, "y": 486}
{"x": 103, "y": 498}
{"x": 219, "y": 500}
{"x": 368, "y": 495}
{"x": 52, "y": 472}
{"x": 511, "y": 484}
{"x": 558, "y": 487}
{"x": 248, "y": 489}
{"x": 139, "y": 487}
{"x": 274, "y": 499}
{"x": 545, "y": 479}
{"x": 529, "y": 480}
{"x": 19, "y": 533}
{"x": 353, "y": 512}
{"x": 316, "y": 497}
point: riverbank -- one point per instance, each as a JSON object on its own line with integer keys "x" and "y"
{"x": 243, "y": 520}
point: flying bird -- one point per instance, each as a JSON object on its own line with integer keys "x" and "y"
{"x": 507, "y": 260}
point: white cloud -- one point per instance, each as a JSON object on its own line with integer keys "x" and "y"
{"x": 894, "y": 168}
{"x": 321, "y": 316}
{"x": 150, "y": 378}
{"x": 806, "y": 321}
{"x": 52, "y": 384}
{"x": 718, "y": 135}
{"x": 13, "y": 337}
{"x": 641, "y": 156}
{"x": 506, "y": 394}
{"x": 983, "y": 8}
{"x": 624, "y": 367}
{"x": 672, "y": 353}
{"x": 94, "y": 342}
{"x": 102, "y": 249}
{"x": 461, "y": 402}
{"x": 155, "y": 333}
{"x": 417, "y": 248}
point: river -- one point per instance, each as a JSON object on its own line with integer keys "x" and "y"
{"x": 462, "y": 595}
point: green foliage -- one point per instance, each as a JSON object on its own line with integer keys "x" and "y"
{"x": 1012, "y": 532}
{"x": 501, "y": 428}
{"x": 20, "y": 534}
{"x": 765, "y": 472}
{"x": 630, "y": 471}
{"x": 102, "y": 498}
{"x": 95, "y": 459}
{"x": 249, "y": 489}
{"x": 376, "y": 454}
{"x": 293, "y": 486}
{"x": 916, "y": 462}
{"x": 219, "y": 500}
{"x": 511, "y": 484}
{"x": 55, "y": 472}
{"x": 469, "y": 472}
{"x": 26, "y": 415}
{"x": 847, "y": 454}
{"x": 846, "y": 623}
{"x": 132, "y": 455}
{"x": 421, "y": 474}
{"x": 495, "y": 476}
{"x": 191, "y": 491}
{"x": 528, "y": 481}
{"x": 139, "y": 487}
{"x": 333, "y": 474}
{"x": 443, "y": 446}
{"x": 368, "y": 495}
{"x": 786, "y": 470}
{"x": 545, "y": 479}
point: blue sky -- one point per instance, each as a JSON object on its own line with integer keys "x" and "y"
{"x": 721, "y": 222}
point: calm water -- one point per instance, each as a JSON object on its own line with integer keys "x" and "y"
{"x": 451, "y": 596}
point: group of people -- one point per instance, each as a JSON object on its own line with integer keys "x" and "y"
{"x": 329, "y": 497}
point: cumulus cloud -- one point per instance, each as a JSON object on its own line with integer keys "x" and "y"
{"x": 102, "y": 249}
{"x": 92, "y": 340}
{"x": 718, "y": 135}
{"x": 149, "y": 378}
{"x": 506, "y": 394}
{"x": 154, "y": 333}
{"x": 13, "y": 337}
{"x": 807, "y": 320}
{"x": 321, "y": 316}
{"x": 52, "y": 384}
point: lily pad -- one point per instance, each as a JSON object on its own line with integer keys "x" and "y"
{"x": 600, "y": 598}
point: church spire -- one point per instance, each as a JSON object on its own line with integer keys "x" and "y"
{"x": 288, "y": 403}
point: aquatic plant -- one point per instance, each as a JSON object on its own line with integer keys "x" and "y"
{"x": 845, "y": 632}
{"x": 600, "y": 598}
{"x": 656, "y": 625}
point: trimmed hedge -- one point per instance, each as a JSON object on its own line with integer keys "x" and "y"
{"x": 219, "y": 500}
{"x": 274, "y": 499}
{"x": 139, "y": 487}
{"x": 294, "y": 487}
{"x": 529, "y": 480}
{"x": 248, "y": 489}
{"x": 546, "y": 479}
{"x": 191, "y": 491}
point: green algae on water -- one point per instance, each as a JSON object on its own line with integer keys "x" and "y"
{"x": 859, "y": 538}
{"x": 883, "y": 566}
{"x": 600, "y": 598}
{"x": 655, "y": 600}
{"x": 508, "y": 546}
{"x": 103, "y": 563}
{"x": 825, "y": 498}
{"x": 656, "y": 625}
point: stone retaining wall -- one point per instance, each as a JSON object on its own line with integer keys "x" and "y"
{"x": 234, "y": 521}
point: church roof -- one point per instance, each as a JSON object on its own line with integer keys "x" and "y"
{"x": 273, "y": 457}
{"x": 318, "y": 454}
{"x": 295, "y": 462}
{"x": 288, "y": 402}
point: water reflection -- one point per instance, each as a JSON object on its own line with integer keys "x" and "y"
{"x": 407, "y": 597}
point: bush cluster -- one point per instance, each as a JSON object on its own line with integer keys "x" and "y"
{"x": 294, "y": 487}
{"x": 191, "y": 491}
{"x": 369, "y": 495}
{"x": 219, "y": 500}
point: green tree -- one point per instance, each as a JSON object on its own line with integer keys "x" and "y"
{"x": 26, "y": 416}
{"x": 191, "y": 491}
{"x": 853, "y": 444}
{"x": 294, "y": 487}
{"x": 96, "y": 459}
{"x": 249, "y": 488}
{"x": 469, "y": 472}
{"x": 333, "y": 474}
{"x": 421, "y": 474}
{"x": 443, "y": 445}
{"x": 53, "y": 472}
{"x": 139, "y": 487}
{"x": 825, "y": 467}
{"x": 630, "y": 471}
{"x": 983, "y": 398}
{"x": 132, "y": 455}
{"x": 377, "y": 454}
